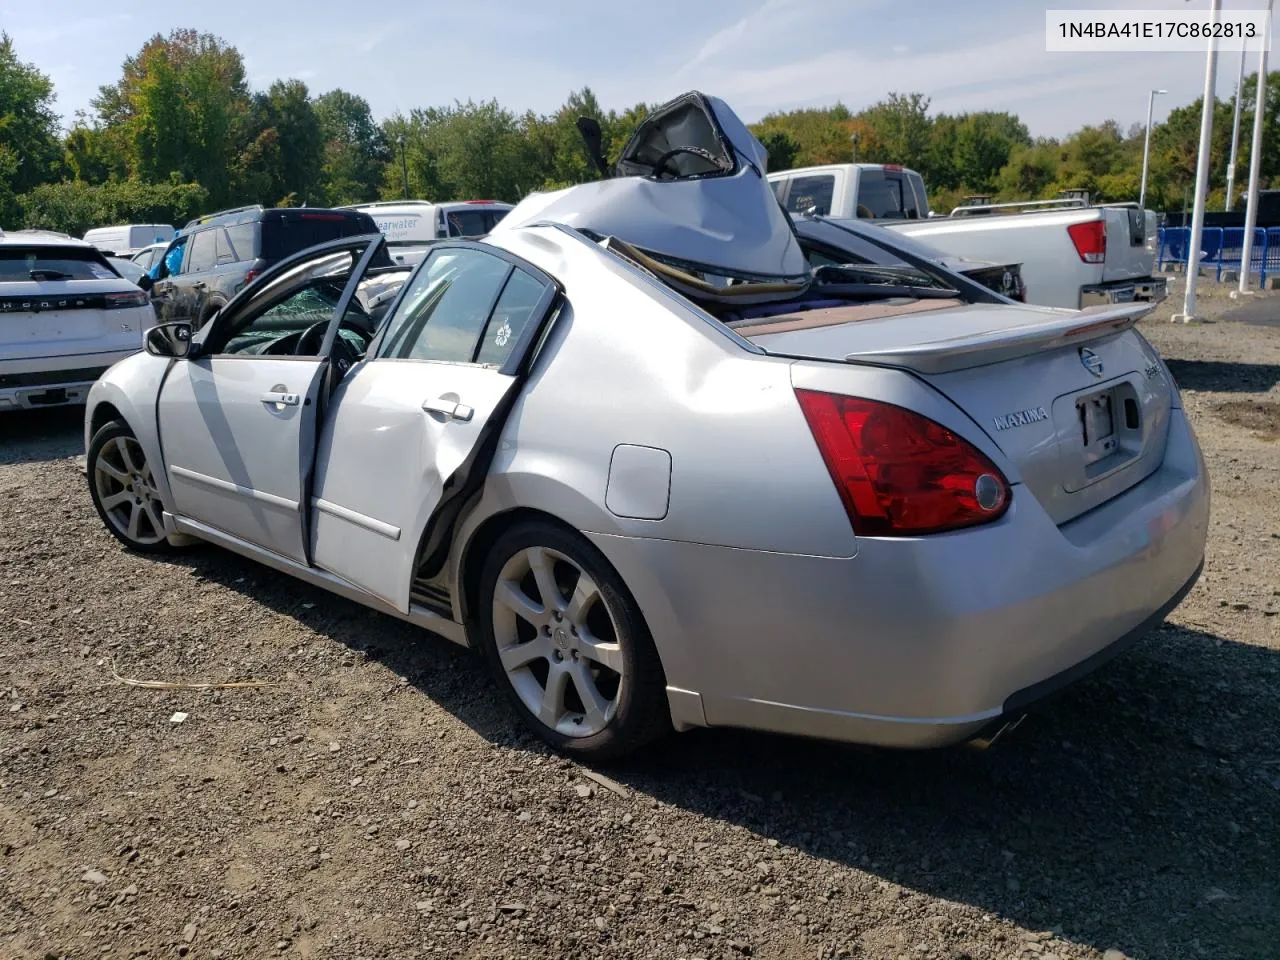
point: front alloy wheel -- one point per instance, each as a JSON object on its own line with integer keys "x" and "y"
{"x": 123, "y": 489}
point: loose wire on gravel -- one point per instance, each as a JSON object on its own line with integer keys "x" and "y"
{"x": 179, "y": 685}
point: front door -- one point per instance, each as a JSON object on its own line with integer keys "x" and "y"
{"x": 405, "y": 438}
{"x": 165, "y": 290}
{"x": 238, "y": 422}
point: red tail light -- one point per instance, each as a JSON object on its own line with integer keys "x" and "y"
{"x": 1090, "y": 240}
{"x": 898, "y": 473}
{"x": 250, "y": 276}
{"x": 133, "y": 298}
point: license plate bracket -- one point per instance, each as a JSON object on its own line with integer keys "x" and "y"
{"x": 1097, "y": 425}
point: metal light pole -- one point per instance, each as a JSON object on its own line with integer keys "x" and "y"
{"x": 404, "y": 166}
{"x": 1235, "y": 134}
{"x": 853, "y": 139}
{"x": 1146, "y": 148}
{"x": 1255, "y": 160}
{"x": 1188, "y": 313}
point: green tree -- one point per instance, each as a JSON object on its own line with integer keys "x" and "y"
{"x": 821, "y": 134}
{"x": 75, "y": 206}
{"x": 1102, "y": 160}
{"x": 902, "y": 127}
{"x": 982, "y": 146}
{"x": 282, "y": 160}
{"x": 182, "y": 105}
{"x": 467, "y": 151}
{"x": 93, "y": 153}
{"x": 29, "y": 150}
{"x": 355, "y": 149}
{"x": 782, "y": 148}
{"x": 1030, "y": 171}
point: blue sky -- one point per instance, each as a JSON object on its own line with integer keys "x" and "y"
{"x": 760, "y": 55}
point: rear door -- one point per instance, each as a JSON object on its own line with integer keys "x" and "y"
{"x": 191, "y": 287}
{"x": 410, "y": 432}
{"x": 238, "y": 422}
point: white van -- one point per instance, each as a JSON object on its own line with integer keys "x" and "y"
{"x": 127, "y": 239}
{"x": 411, "y": 225}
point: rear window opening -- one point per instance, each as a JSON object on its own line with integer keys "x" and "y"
{"x": 835, "y": 293}
{"x": 25, "y": 264}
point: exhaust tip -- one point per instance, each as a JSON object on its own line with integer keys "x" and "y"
{"x": 988, "y": 737}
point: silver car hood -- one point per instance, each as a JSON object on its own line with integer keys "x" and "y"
{"x": 717, "y": 215}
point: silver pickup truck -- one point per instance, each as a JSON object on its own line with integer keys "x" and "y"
{"x": 1073, "y": 253}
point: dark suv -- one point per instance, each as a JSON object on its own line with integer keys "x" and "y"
{"x": 215, "y": 257}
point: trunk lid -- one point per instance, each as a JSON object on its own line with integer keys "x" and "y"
{"x": 1077, "y": 400}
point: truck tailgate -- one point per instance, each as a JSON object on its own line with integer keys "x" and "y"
{"x": 1131, "y": 244}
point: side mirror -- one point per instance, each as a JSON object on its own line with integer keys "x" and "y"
{"x": 145, "y": 282}
{"x": 171, "y": 340}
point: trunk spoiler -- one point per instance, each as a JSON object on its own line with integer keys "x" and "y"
{"x": 979, "y": 349}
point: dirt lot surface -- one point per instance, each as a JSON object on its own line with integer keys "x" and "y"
{"x": 378, "y": 801}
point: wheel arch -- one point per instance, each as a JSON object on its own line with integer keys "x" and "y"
{"x": 508, "y": 498}
{"x": 109, "y": 401}
{"x": 684, "y": 705}
{"x": 211, "y": 306}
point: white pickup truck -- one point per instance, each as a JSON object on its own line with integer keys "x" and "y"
{"x": 1073, "y": 254}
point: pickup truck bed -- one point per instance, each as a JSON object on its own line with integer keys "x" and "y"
{"x": 1073, "y": 254}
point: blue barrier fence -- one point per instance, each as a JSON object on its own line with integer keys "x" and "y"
{"x": 1222, "y": 248}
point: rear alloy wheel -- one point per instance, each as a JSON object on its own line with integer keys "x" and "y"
{"x": 123, "y": 489}
{"x": 568, "y": 645}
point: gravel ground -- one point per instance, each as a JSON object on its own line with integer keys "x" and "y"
{"x": 379, "y": 801}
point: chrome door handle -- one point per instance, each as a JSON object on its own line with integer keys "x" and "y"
{"x": 449, "y": 409}
{"x": 287, "y": 399}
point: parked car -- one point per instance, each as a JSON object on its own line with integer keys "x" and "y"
{"x": 411, "y": 226}
{"x": 217, "y": 255}
{"x": 1073, "y": 254}
{"x": 129, "y": 269}
{"x": 150, "y": 255}
{"x": 662, "y": 472}
{"x": 832, "y": 242}
{"x": 65, "y": 316}
{"x": 127, "y": 239}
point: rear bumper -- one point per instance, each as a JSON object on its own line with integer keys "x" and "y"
{"x": 32, "y": 383}
{"x": 920, "y": 642}
{"x": 1153, "y": 289}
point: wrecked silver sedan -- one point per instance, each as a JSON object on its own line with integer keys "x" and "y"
{"x": 663, "y": 473}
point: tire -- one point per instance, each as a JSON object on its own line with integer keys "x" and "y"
{"x": 612, "y": 698}
{"x": 122, "y": 490}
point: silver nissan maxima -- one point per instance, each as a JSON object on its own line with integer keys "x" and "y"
{"x": 664, "y": 473}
